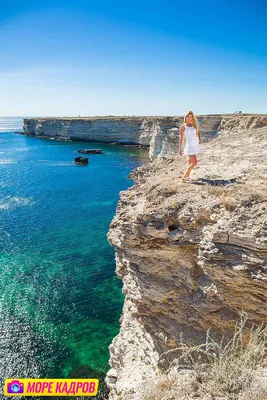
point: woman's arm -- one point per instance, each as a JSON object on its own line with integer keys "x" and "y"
{"x": 182, "y": 128}
{"x": 198, "y": 134}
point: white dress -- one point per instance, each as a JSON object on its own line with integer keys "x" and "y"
{"x": 192, "y": 145}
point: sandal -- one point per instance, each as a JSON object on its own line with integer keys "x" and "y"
{"x": 188, "y": 179}
{"x": 185, "y": 179}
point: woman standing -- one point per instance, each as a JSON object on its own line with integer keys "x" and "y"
{"x": 190, "y": 130}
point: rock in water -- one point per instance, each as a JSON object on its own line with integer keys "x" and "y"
{"x": 81, "y": 160}
{"x": 90, "y": 151}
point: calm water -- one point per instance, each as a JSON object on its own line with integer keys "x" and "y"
{"x": 60, "y": 299}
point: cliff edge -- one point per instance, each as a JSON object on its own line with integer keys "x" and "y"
{"x": 191, "y": 256}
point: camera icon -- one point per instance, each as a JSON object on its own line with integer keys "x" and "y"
{"x": 15, "y": 386}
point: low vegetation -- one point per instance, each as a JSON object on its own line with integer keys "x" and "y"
{"x": 227, "y": 369}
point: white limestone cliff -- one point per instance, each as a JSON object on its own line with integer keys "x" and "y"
{"x": 191, "y": 256}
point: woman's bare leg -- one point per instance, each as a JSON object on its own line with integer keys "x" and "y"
{"x": 192, "y": 162}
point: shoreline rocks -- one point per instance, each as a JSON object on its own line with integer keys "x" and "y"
{"x": 90, "y": 151}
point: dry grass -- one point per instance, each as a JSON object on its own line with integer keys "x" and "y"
{"x": 246, "y": 195}
{"x": 228, "y": 202}
{"x": 216, "y": 370}
{"x": 242, "y": 194}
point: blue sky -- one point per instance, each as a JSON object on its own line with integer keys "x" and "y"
{"x": 100, "y": 57}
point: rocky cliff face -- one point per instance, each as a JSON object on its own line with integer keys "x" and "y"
{"x": 191, "y": 256}
{"x": 243, "y": 122}
{"x": 160, "y": 134}
{"x": 137, "y": 130}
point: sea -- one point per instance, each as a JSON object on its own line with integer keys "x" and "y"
{"x": 60, "y": 298}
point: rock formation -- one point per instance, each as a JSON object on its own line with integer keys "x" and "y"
{"x": 191, "y": 256}
{"x": 81, "y": 160}
{"x": 90, "y": 151}
{"x": 159, "y": 134}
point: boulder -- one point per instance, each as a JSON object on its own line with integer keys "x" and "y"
{"x": 81, "y": 160}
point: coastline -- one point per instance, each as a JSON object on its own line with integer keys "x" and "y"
{"x": 87, "y": 140}
{"x": 158, "y": 134}
{"x": 145, "y": 218}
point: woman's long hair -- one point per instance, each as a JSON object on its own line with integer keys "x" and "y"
{"x": 195, "y": 123}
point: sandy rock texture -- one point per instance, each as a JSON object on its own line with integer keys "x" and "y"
{"x": 191, "y": 256}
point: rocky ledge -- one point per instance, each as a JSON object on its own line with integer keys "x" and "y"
{"x": 191, "y": 256}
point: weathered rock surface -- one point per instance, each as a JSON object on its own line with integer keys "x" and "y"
{"x": 191, "y": 256}
{"x": 136, "y": 130}
{"x": 238, "y": 122}
{"x": 160, "y": 134}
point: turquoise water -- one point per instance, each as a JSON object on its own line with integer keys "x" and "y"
{"x": 60, "y": 299}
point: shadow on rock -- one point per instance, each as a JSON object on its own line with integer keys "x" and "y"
{"x": 215, "y": 182}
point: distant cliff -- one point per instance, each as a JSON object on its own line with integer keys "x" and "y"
{"x": 136, "y": 130}
{"x": 191, "y": 256}
{"x": 160, "y": 134}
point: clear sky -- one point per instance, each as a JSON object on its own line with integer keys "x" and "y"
{"x": 88, "y": 58}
